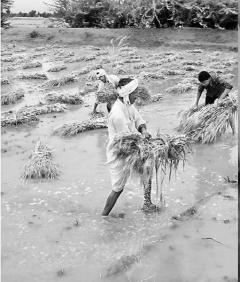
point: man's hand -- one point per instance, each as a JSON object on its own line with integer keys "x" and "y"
{"x": 146, "y": 135}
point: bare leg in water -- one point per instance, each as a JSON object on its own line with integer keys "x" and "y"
{"x": 111, "y": 201}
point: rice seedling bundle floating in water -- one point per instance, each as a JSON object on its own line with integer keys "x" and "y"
{"x": 209, "y": 122}
{"x": 32, "y": 65}
{"x": 73, "y": 99}
{"x": 195, "y": 51}
{"x": 173, "y": 72}
{"x": 74, "y": 128}
{"x": 4, "y": 81}
{"x": 154, "y": 75}
{"x": 108, "y": 94}
{"x": 180, "y": 88}
{"x": 142, "y": 157}
{"x": 17, "y": 118}
{"x": 29, "y": 114}
{"x": 11, "y": 98}
{"x": 8, "y": 59}
{"x": 6, "y": 53}
{"x": 156, "y": 98}
{"x": 41, "y": 164}
{"x": 33, "y": 76}
{"x": 57, "y": 68}
{"x": 61, "y": 81}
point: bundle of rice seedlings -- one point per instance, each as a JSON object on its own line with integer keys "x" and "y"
{"x": 37, "y": 55}
{"x": 40, "y": 49}
{"x": 190, "y": 68}
{"x": 195, "y": 51}
{"x": 6, "y": 53}
{"x": 93, "y": 48}
{"x": 74, "y": 128}
{"x": 131, "y": 60}
{"x": 8, "y": 59}
{"x": 156, "y": 98}
{"x": 32, "y": 65}
{"x": 106, "y": 95}
{"x": 43, "y": 109}
{"x": 82, "y": 71}
{"x": 4, "y": 81}
{"x": 33, "y": 76}
{"x": 143, "y": 157}
{"x": 102, "y": 53}
{"x": 81, "y": 59}
{"x": 40, "y": 164}
{"x": 105, "y": 61}
{"x": 11, "y": 98}
{"x": 66, "y": 98}
{"x": 12, "y": 118}
{"x": 57, "y": 68}
{"x": 140, "y": 66}
{"x": 20, "y": 50}
{"x": 180, "y": 88}
{"x": 173, "y": 72}
{"x": 120, "y": 70}
{"x": 193, "y": 63}
{"x": 209, "y": 122}
{"x": 61, "y": 81}
{"x": 9, "y": 68}
{"x": 153, "y": 75}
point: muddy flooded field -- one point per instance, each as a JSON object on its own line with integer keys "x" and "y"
{"x": 52, "y": 230}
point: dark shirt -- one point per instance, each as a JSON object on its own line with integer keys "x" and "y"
{"x": 216, "y": 86}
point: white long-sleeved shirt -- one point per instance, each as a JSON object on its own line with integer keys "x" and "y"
{"x": 122, "y": 119}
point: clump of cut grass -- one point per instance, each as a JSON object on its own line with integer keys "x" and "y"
{"x": 140, "y": 66}
{"x": 40, "y": 49}
{"x": 40, "y": 76}
{"x": 17, "y": 118}
{"x": 37, "y": 55}
{"x": 29, "y": 114}
{"x": 209, "y": 122}
{"x": 81, "y": 59}
{"x": 57, "y": 68}
{"x": 173, "y": 72}
{"x": 6, "y": 53}
{"x": 180, "y": 88}
{"x": 66, "y": 98}
{"x": 61, "y": 81}
{"x": 195, "y": 51}
{"x": 4, "y": 81}
{"x": 193, "y": 63}
{"x": 8, "y": 59}
{"x": 142, "y": 157}
{"x": 9, "y": 68}
{"x": 82, "y": 71}
{"x": 151, "y": 75}
{"x": 156, "y": 98}
{"x": 32, "y": 65}
{"x": 74, "y": 128}
{"x": 11, "y": 98}
{"x": 40, "y": 164}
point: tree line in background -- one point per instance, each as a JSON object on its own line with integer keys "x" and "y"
{"x": 140, "y": 13}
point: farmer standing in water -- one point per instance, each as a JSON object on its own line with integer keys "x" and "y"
{"x": 125, "y": 119}
{"x": 216, "y": 90}
{"x": 105, "y": 81}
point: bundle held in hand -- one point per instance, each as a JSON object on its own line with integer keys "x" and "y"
{"x": 209, "y": 122}
{"x": 144, "y": 156}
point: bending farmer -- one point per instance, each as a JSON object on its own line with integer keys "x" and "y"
{"x": 216, "y": 87}
{"x": 105, "y": 81}
{"x": 125, "y": 119}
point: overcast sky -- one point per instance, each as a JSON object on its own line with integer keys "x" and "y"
{"x": 28, "y": 5}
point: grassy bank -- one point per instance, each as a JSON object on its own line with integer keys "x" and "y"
{"x": 187, "y": 37}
